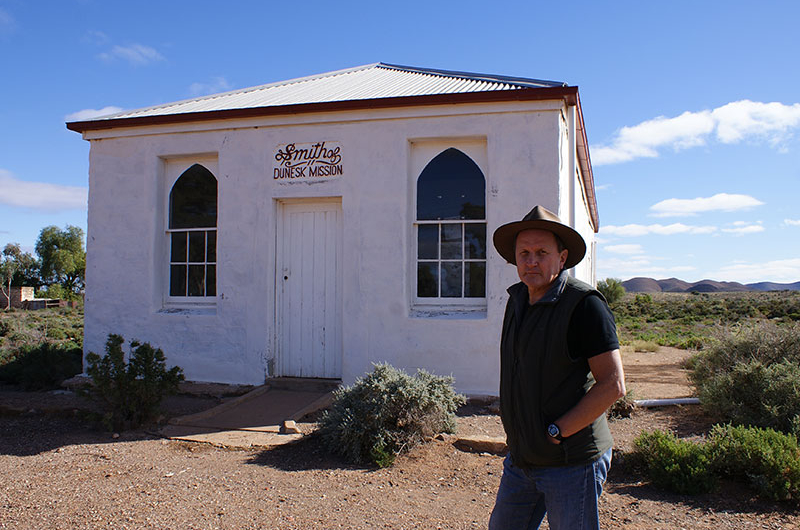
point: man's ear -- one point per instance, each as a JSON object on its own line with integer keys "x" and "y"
{"x": 564, "y": 254}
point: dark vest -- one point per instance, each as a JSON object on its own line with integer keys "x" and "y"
{"x": 539, "y": 381}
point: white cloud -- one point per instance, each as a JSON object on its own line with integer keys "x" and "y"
{"x": 633, "y": 230}
{"x": 88, "y": 114}
{"x": 136, "y": 54}
{"x": 791, "y": 222}
{"x": 217, "y": 84}
{"x": 733, "y": 123}
{"x": 741, "y": 119}
{"x": 781, "y": 271}
{"x": 40, "y": 195}
{"x": 741, "y": 228}
{"x": 628, "y": 267}
{"x": 643, "y": 140}
{"x": 724, "y": 202}
{"x": 624, "y": 249}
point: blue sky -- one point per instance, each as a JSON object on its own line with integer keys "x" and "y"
{"x": 692, "y": 108}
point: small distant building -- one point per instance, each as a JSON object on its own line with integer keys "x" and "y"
{"x": 18, "y": 296}
{"x": 311, "y": 227}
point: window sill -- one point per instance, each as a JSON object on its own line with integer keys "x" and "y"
{"x": 448, "y": 313}
{"x": 186, "y": 309}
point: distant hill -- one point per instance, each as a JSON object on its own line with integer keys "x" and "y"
{"x": 674, "y": 285}
{"x": 771, "y": 286}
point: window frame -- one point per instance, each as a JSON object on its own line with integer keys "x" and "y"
{"x": 188, "y": 263}
{"x": 426, "y": 151}
{"x": 175, "y": 169}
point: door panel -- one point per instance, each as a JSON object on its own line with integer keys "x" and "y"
{"x": 309, "y": 286}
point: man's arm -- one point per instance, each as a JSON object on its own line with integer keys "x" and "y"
{"x": 608, "y": 388}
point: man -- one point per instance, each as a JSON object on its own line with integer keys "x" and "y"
{"x": 560, "y": 370}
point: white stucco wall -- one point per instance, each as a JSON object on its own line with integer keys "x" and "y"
{"x": 233, "y": 340}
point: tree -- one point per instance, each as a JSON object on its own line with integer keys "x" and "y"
{"x": 612, "y": 289}
{"x": 63, "y": 258}
{"x": 17, "y": 269}
{"x": 8, "y": 268}
{"x": 27, "y": 274}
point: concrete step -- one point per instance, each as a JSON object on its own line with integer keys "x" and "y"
{"x": 303, "y": 384}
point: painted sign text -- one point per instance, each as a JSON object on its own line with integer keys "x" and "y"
{"x": 298, "y": 161}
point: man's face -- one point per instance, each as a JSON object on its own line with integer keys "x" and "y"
{"x": 538, "y": 260}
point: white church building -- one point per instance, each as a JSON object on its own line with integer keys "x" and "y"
{"x": 311, "y": 227}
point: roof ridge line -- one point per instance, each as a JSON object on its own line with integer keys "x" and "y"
{"x": 522, "y": 81}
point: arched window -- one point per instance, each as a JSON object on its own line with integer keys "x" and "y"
{"x": 193, "y": 234}
{"x": 451, "y": 229}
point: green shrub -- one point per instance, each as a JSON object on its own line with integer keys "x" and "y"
{"x": 611, "y": 289}
{"x": 130, "y": 392}
{"x": 42, "y": 367}
{"x": 755, "y": 394}
{"x": 769, "y": 460}
{"x": 57, "y": 291}
{"x": 752, "y": 376}
{"x": 387, "y": 412}
{"x": 677, "y": 465}
{"x": 765, "y": 342}
{"x": 57, "y": 333}
{"x": 61, "y": 326}
{"x": 643, "y": 300}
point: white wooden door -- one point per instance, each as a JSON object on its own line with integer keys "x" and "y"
{"x": 309, "y": 290}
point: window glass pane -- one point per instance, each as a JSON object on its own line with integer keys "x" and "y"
{"x": 427, "y": 279}
{"x": 211, "y": 280}
{"x": 475, "y": 279}
{"x": 451, "y": 186}
{"x": 197, "y": 247}
{"x": 475, "y": 241}
{"x": 211, "y": 250}
{"x": 177, "y": 280}
{"x": 197, "y": 275}
{"x": 178, "y": 247}
{"x": 451, "y": 242}
{"x": 193, "y": 199}
{"x": 428, "y": 241}
{"x": 451, "y": 279}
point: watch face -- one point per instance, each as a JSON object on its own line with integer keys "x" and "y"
{"x": 552, "y": 430}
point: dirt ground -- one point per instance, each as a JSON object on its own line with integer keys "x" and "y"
{"x": 59, "y": 472}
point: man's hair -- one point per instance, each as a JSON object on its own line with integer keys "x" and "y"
{"x": 559, "y": 243}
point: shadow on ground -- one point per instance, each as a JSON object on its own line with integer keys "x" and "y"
{"x": 307, "y": 453}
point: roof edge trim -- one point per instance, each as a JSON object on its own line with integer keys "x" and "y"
{"x": 568, "y": 94}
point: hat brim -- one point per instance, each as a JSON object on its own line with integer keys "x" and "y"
{"x": 505, "y": 239}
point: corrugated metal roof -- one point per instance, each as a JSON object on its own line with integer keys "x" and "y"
{"x": 368, "y": 86}
{"x": 372, "y": 81}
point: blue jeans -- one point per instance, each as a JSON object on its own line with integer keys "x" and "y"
{"x": 568, "y": 495}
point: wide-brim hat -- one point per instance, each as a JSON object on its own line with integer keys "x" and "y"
{"x": 540, "y": 218}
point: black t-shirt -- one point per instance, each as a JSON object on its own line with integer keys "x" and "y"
{"x": 592, "y": 329}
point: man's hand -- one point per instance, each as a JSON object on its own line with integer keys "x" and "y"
{"x": 609, "y": 386}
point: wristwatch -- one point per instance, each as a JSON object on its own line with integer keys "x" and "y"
{"x": 554, "y": 432}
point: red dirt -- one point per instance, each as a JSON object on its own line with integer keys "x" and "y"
{"x": 58, "y": 472}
